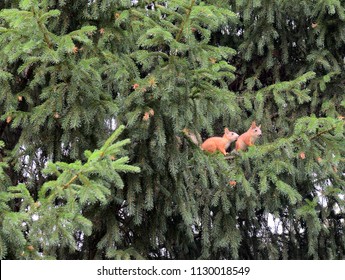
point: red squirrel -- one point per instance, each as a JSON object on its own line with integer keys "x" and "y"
{"x": 213, "y": 144}
{"x": 248, "y": 138}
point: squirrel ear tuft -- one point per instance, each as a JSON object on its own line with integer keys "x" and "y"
{"x": 226, "y": 130}
{"x": 253, "y": 125}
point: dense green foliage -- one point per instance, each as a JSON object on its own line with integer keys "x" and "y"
{"x": 73, "y": 71}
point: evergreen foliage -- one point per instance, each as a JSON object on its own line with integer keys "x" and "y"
{"x": 74, "y": 71}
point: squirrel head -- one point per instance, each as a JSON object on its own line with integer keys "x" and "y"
{"x": 230, "y": 135}
{"x": 255, "y": 130}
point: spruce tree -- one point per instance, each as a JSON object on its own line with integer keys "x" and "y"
{"x": 290, "y": 77}
{"x": 168, "y": 75}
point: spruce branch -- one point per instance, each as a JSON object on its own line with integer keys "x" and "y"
{"x": 43, "y": 29}
{"x": 189, "y": 10}
{"x": 322, "y": 132}
{"x": 75, "y": 177}
{"x": 94, "y": 165}
{"x": 293, "y": 141}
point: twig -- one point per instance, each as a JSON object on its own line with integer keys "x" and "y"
{"x": 65, "y": 186}
{"x": 323, "y": 132}
{"x": 229, "y": 157}
{"x": 179, "y": 34}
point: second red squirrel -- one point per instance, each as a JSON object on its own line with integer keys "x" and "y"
{"x": 248, "y": 138}
{"x": 213, "y": 144}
